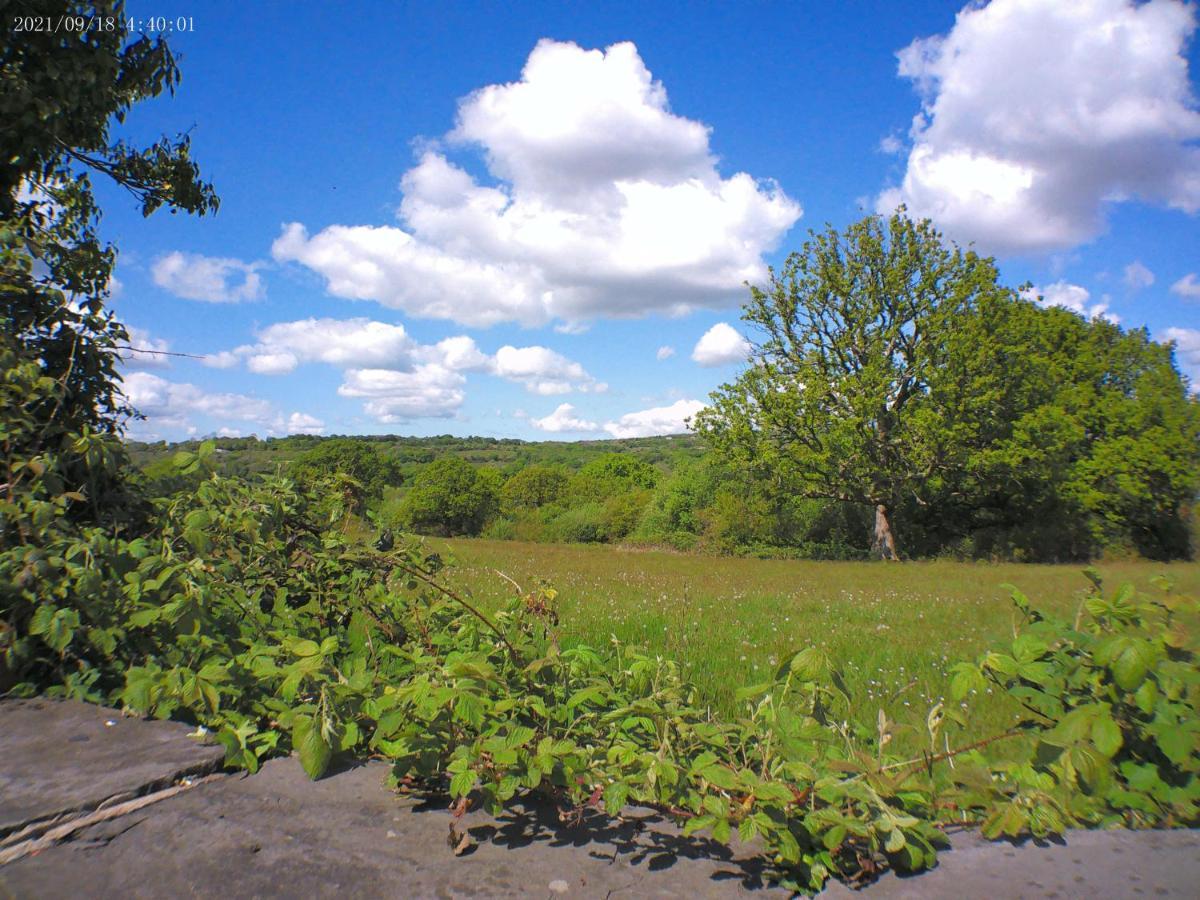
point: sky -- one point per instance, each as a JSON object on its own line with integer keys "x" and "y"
{"x": 539, "y": 220}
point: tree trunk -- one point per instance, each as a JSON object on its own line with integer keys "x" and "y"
{"x": 884, "y": 545}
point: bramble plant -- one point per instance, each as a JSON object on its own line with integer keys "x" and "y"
{"x": 250, "y": 611}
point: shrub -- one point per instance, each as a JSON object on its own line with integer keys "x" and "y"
{"x": 581, "y": 524}
{"x": 533, "y": 487}
{"x": 450, "y": 497}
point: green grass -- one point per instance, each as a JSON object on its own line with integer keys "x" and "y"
{"x": 894, "y": 628}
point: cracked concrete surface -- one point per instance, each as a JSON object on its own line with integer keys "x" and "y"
{"x": 276, "y": 834}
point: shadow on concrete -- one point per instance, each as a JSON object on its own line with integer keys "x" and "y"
{"x": 639, "y": 837}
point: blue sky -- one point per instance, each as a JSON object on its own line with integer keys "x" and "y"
{"x": 535, "y": 220}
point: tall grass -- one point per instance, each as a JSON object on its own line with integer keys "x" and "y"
{"x": 894, "y": 628}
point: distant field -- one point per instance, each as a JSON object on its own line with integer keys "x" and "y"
{"x": 895, "y": 628}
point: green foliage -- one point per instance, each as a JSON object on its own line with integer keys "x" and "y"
{"x": 898, "y": 375}
{"x": 580, "y": 524}
{"x": 1115, "y": 701}
{"x": 361, "y": 471}
{"x": 58, "y": 346}
{"x": 611, "y": 474}
{"x": 450, "y": 497}
{"x": 532, "y": 487}
{"x": 854, "y": 329}
{"x": 248, "y": 610}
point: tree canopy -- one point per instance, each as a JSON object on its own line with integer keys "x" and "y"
{"x": 896, "y": 373}
{"x": 61, "y": 93}
{"x": 852, "y": 329}
{"x": 450, "y": 497}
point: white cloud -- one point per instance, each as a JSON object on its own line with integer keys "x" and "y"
{"x": 720, "y": 345}
{"x": 430, "y": 390}
{"x": 564, "y": 419}
{"x": 141, "y": 340}
{"x": 664, "y": 352}
{"x": 543, "y": 371}
{"x": 226, "y": 359}
{"x": 659, "y": 420}
{"x": 1187, "y": 352}
{"x": 303, "y": 423}
{"x": 1137, "y": 276}
{"x": 1188, "y": 286}
{"x": 388, "y": 367}
{"x": 1072, "y": 297}
{"x": 605, "y": 204}
{"x": 171, "y": 404}
{"x": 341, "y": 342}
{"x": 1036, "y": 114}
{"x": 207, "y": 278}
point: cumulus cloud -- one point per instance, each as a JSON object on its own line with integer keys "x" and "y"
{"x": 173, "y": 404}
{"x": 1037, "y": 114}
{"x": 429, "y": 390}
{"x": 720, "y": 345}
{"x": 1137, "y": 276}
{"x": 1188, "y": 286}
{"x": 303, "y": 423}
{"x": 1187, "y": 352}
{"x": 603, "y": 203}
{"x": 379, "y": 358}
{"x": 225, "y": 359}
{"x": 543, "y": 371}
{"x": 1073, "y": 297}
{"x": 564, "y": 419}
{"x": 664, "y": 352}
{"x": 208, "y": 278}
{"x": 659, "y": 420}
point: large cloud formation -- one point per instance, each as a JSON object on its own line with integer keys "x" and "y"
{"x": 1036, "y": 114}
{"x": 170, "y": 404}
{"x": 605, "y": 204}
{"x": 398, "y": 377}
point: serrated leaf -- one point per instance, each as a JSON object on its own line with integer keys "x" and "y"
{"x": 1106, "y": 735}
{"x": 310, "y": 744}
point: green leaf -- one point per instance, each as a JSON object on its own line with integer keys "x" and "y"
{"x": 833, "y": 838}
{"x": 1130, "y": 659}
{"x": 1106, "y": 735}
{"x": 810, "y": 664}
{"x": 697, "y": 823}
{"x": 615, "y": 796}
{"x": 720, "y": 776}
{"x": 310, "y": 743}
{"x": 1146, "y": 696}
{"x": 1176, "y": 743}
{"x": 967, "y": 678}
{"x": 461, "y": 784}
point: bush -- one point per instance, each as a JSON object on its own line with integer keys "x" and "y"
{"x": 612, "y": 473}
{"x": 533, "y": 487}
{"x": 370, "y": 472}
{"x": 621, "y": 513}
{"x": 450, "y": 497}
{"x": 581, "y": 524}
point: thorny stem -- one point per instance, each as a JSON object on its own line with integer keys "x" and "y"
{"x": 461, "y": 601}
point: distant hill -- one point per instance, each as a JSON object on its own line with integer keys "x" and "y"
{"x": 249, "y": 455}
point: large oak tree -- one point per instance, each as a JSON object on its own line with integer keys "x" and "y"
{"x": 850, "y": 335}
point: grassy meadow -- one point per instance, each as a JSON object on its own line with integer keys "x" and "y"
{"x": 894, "y": 628}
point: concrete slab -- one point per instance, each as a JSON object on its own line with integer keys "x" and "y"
{"x": 276, "y": 834}
{"x": 59, "y": 756}
{"x": 1095, "y": 864}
